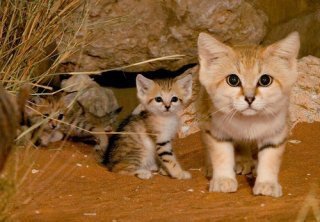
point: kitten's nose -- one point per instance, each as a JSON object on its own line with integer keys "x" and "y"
{"x": 249, "y": 99}
{"x": 167, "y": 107}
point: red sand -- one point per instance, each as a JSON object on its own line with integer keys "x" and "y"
{"x": 75, "y": 188}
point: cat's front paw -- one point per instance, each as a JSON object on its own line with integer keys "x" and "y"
{"x": 272, "y": 189}
{"x": 144, "y": 174}
{"x": 223, "y": 184}
{"x": 183, "y": 175}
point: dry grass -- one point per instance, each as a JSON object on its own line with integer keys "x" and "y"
{"x": 29, "y": 35}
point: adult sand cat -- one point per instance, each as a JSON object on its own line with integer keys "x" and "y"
{"x": 152, "y": 130}
{"x": 246, "y": 90}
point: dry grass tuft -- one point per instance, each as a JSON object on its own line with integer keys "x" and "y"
{"x": 29, "y": 35}
{"x": 30, "y": 32}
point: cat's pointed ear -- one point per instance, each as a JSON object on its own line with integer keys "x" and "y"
{"x": 209, "y": 48}
{"x": 185, "y": 83}
{"x": 287, "y": 48}
{"x": 143, "y": 85}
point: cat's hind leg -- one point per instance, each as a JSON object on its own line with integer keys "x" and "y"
{"x": 243, "y": 158}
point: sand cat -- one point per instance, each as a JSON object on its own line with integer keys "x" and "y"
{"x": 246, "y": 96}
{"x": 146, "y": 137}
{"x": 46, "y": 113}
{"x": 83, "y": 108}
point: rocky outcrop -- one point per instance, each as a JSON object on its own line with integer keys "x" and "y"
{"x": 308, "y": 27}
{"x": 118, "y": 33}
{"x": 305, "y": 101}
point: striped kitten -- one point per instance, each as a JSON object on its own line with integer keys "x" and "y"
{"x": 146, "y": 137}
{"x": 75, "y": 114}
{"x": 246, "y": 95}
{"x": 41, "y": 110}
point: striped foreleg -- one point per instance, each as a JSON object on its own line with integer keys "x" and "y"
{"x": 169, "y": 161}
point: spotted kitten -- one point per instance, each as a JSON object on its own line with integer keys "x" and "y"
{"x": 246, "y": 95}
{"x": 146, "y": 137}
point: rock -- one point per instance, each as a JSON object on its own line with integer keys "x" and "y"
{"x": 305, "y": 97}
{"x": 279, "y": 12}
{"x": 308, "y": 27}
{"x": 123, "y": 32}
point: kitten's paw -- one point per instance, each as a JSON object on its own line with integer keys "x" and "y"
{"x": 244, "y": 166}
{"x": 144, "y": 174}
{"x": 267, "y": 189}
{"x": 163, "y": 172}
{"x": 224, "y": 184}
{"x": 154, "y": 167}
{"x": 183, "y": 175}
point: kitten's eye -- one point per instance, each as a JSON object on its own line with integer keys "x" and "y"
{"x": 46, "y": 114}
{"x": 233, "y": 80}
{"x": 174, "y": 99}
{"x": 158, "y": 99}
{"x": 60, "y": 117}
{"x": 265, "y": 80}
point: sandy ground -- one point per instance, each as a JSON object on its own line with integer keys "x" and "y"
{"x": 71, "y": 186}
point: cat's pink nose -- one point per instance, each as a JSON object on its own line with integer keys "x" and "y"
{"x": 249, "y": 99}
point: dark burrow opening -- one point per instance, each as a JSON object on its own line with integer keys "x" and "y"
{"x": 123, "y": 84}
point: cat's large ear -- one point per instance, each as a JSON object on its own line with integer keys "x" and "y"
{"x": 143, "y": 85}
{"x": 287, "y": 48}
{"x": 209, "y": 49}
{"x": 185, "y": 84}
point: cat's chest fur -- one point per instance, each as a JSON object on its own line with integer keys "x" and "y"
{"x": 165, "y": 126}
{"x": 248, "y": 128}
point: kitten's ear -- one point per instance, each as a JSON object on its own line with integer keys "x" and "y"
{"x": 287, "y": 48}
{"x": 185, "y": 84}
{"x": 143, "y": 85}
{"x": 209, "y": 48}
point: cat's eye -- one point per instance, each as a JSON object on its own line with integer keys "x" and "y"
{"x": 158, "y": 99}
{"x": 46, "y": 115}
{"x": 174, "y": 99}
{"x": 60, "y": 117}
{"x": 233, "y": 80}
{"x": 265, "y": 80}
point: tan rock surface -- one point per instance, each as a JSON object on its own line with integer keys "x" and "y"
{"x": 308, "y": 27}
{"x": 129, "y": 31}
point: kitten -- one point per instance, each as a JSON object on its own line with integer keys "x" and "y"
{"x": 75, "y": 114}
{"x": 246, "y": 95}
{"x": 147, "y": 135}
{"x": 45, "y": 113}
